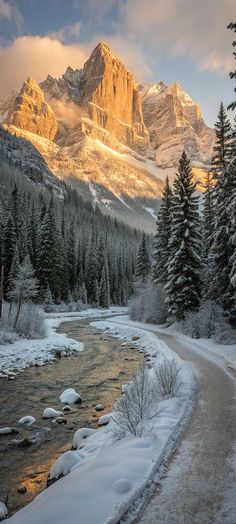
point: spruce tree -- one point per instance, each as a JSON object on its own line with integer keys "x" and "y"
{"x": 48, "y": 300}
{"x": 143, "y": 261}
{"x": 50, "y": 255}
{"x": 161, "y": 252}
{"x": 232, "y": 74}
{"x": 9, "y": 243}
{"x": 184, "y": 268}
{"x": 103, "y": 291}
{"x": 223, "y": 144}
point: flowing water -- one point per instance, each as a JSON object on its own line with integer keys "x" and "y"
{"x": 97, "y": 373}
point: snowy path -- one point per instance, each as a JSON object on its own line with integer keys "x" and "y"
{"x": 199, "y": 485}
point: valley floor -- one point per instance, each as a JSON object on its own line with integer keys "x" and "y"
{"x": 111, "y": 481}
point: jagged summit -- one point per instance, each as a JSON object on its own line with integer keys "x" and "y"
{"x": 31, "y": 112}
{"x": 116, "y": 139}
{"x": 32, "y": 82}
{"x": 103, "y": 49}
{"x": 175, "y": 122}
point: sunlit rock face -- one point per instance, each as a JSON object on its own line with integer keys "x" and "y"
{"x": 112, "y": 140}
{"x": 174, "y": 123}
{"x": 104, "y": 92}
{"x": 31, "y": 112}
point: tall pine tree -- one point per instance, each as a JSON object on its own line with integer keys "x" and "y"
{"x": 143, "y": 261}
{"x": 184, "y": 268}
{"x": 161, "y": 252}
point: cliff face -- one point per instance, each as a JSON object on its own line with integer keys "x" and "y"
{"x": 174, "y": 123}
{"x": 31, "y": 112}
{"x": 115, "y": 142}
{"x": 104, "y": 92}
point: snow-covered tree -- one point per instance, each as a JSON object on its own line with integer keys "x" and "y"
{"x": 24, "y": 286}
{"x": 161, "y": 251}
{"x": 184, "y": 268}
{"x": 223, "y": 144}
{"x": 104, "y": 291}
{"x": 48, "y": 300}
{"x": 143, "y": 261}
{"x": 8, "y": 249}
{"x": 232, "y": 74}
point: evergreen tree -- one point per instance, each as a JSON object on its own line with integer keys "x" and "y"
{"x": 232, "y": 74}
{"x": 14, "y": 268}
{"x": 50, "y": 255}
{"x": 9, "y": 243}
{"x": 103, "y": 291}
{"x": 184, "y": 282}
{"x": 91, "y": 280}
{"x": 161, "y": 252}
{"x": 143, "y": 261}
{"x": 71, "y": 256}
{"x": 223, "y": 145}
{"x": 48, "y": 300}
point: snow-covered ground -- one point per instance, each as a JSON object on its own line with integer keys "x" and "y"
{"x": 24, "y": 352}
{"x": 225, "y": 352}
{"x": 105, "y": 478}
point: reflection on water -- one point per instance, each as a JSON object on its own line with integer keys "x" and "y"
{"x": 97, "y": 373}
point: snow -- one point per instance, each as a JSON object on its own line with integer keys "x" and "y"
{"x": 51, "y": 413}
{"x": 121, "y": 486}
{"x": 104, "y": 419}
{"x": 24, "y": 353}
{"x": 151, "y": 212}
{"x": 80, "y": 435}
{"x": 64, "y": 464}
{"x": 7, "y": 430}
{"x": 28, "y": 420}
{"x": 70, "y": 396}
{"x": 104, "y": 478}
{"x": 99, "y": 407}
{"x": 3, "y": 511}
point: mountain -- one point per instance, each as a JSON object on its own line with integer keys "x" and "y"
{"x": 30, "y": 111}
{"x": 174, "y": 122}
{"x": 110, "y": 139}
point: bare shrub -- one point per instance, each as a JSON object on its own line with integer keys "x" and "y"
{"x": 30, "y": 322}
{"x": 210, "y": 321}
{"x": 167, "y": 378}
{"x": 135, "y": 407}
{"x": 149, "y": 305}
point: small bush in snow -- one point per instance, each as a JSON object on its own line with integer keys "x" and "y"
{"x": 135, "y": 407}
{"x": 30, "y": 322}
{"x": 7, "y": 336}
{"x": 210, "y": 321}
{"x": 167, "y": 378}
{"x": 149, "y": 305}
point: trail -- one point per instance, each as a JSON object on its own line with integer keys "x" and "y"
{"x": 199, "y": 486}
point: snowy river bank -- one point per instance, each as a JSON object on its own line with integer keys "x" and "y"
{"x": 97, "y": 373}
{"x": 106, "y": 478}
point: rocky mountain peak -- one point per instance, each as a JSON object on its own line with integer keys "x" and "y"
{"x": 174, "y": 122}
{"x": 31, "y": 112}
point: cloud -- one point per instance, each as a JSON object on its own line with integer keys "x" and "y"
{"x": 36, "y": 56}
{"x": 67, "y": 33}
{"x": 195, "y": 29}
{"x": 9, "y": 11}
{"x": 39, "y": 56}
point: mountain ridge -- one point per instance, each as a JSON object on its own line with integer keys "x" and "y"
{"x": 108, "y": 137}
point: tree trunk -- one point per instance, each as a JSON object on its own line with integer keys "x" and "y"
{"x": 18, "y": 312}
{"x": 1, "y": 290}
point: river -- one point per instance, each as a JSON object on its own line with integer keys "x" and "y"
{"x": 97, "y": 373}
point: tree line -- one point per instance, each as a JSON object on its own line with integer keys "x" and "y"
{"x": 194, "y": 258}
{"x": 74, "y": 251}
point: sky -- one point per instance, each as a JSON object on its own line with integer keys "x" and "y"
{"x": 158, "y": 40}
